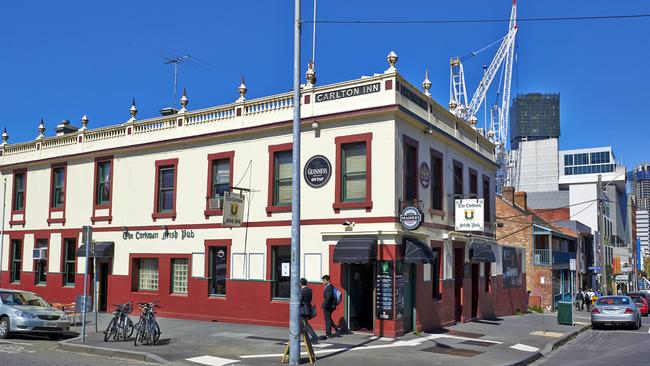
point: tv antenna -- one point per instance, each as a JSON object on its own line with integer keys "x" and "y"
{"x": 175, "y": 57}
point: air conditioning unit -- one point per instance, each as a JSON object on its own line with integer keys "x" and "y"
{"x": 215, "y": 203}
{"x": 39, "y": 254}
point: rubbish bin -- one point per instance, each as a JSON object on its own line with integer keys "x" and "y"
{"x": 565, "y": 313}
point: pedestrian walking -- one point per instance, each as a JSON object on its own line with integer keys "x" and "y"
{"x": 588, "y": 296}
{"x": 328, "y": 306}
{"x": 580, "y": 298}
{"x": 307, "y": 310}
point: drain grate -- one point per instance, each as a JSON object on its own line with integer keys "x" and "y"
{"x": 478, "y": 343}
{"x": 450, "y": 351}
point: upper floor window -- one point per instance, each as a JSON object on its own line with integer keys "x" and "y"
{"x": 103, "y": 182}
{"x": 166, "y": 185}
{"x": 487, "y": 210}
{"x": 58, "y": 187}
{"x": 568, "y": 160}
{"x": 410, "y": 169}
{"x": 282, "y": 178}
{"x": 458, "y": 180}
{"x": 353, "y": 172}
{"x": 220, "y": 180}
{"x": 436, "y": 181}
{"x": 473, "y": 183}
{"x": 19, "y": 191}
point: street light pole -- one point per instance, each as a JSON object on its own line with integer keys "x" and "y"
{"x": 294, "y": 308}
{"x": 601, "y": 228}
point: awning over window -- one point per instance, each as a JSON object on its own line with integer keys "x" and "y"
{"x": 103, "y": 249}
{"x": 356, "y": 250}
{"x": 418, "y": 252}
{"x": 481, "y": 252}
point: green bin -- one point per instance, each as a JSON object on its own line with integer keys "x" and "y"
{"x": 564, "y": 313}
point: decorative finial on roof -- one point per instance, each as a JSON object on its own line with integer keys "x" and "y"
{"x": 41, "y": 130}
{"x": 184, "y": 101}
{"x": 472, "y": 121}
{"x": 133, "y": 111}
{"x": 84, "y": 123}
{"x": 310, "y": 75}
{"x": 5, "y": 136}
{"x": 426, "y": 84}
{"x": 392, "y": 60}
{"x": 242, "y": 90}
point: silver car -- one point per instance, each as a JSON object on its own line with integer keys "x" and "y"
{"x": 615, "y": 310}
{"x": 26, "y": 312}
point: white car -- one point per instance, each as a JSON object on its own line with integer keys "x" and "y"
{"x": 26, "y": 312}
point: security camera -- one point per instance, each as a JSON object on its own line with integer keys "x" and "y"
{"x": 347, "y": 223}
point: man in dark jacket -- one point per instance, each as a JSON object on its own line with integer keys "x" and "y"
{"x": 306, "y": 295}
{"x": 329, "y": 305}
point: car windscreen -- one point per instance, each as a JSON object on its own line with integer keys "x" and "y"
{"x": 22, "y": 298}
{"x": 613, "y": 301}
{"x": 636, "y": 298}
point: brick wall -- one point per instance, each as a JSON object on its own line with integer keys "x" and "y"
{"x": 553, "y": 215}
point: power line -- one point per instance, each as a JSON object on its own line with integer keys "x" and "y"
{"x": 463, "y": 21}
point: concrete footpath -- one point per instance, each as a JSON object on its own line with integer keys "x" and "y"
{"x": 513, "y": 340}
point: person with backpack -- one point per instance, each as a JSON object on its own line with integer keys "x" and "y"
{"x": 331, "y": 298}
{"x": 307, "y": 310}
{"x": 580, "y": 297}
{"x": 588, "y": 296}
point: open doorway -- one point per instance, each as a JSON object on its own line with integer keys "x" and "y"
{"x": 475, "y": 285}
{"x": 360, "y": 279}
{"x": 459, "y": 276}
{"x": 102, "y": 299}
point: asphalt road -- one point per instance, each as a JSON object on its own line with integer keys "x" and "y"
{"x": 611, "y": 346}
{"x": 38, "y": 351}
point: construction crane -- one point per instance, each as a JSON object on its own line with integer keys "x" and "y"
{"x": 458, "y": 103}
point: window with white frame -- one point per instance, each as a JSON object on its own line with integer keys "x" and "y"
{"x": 180, "y": 268}
{"x": 147, "y": 274}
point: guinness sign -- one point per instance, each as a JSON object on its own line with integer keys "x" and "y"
{"x": 318, "y": 171}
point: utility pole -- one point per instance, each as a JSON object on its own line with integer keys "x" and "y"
{"x": 601, "y": 228}
{"x": 294, "y": 309}
{"x": 2, "y": 234}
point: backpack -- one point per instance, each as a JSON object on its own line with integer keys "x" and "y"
{"x": 337, "y": 295}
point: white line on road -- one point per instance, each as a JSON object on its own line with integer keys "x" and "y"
{"x": 212, "y": 361}
{"x": 525, "y": 348}
{"x": 18, "y": 343}
{"x": 648, "y": 330}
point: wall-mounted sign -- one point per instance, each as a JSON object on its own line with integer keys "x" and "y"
{"x": 413, "y": 97}
{"x": 511, "y": 267}
{"x": 384, "y": 290}
{"x": 233, "y": 209}
{"x": 469, "y": 215}
{"x": 425, "y": 175}
{"x": 348, "y": 92}
{"x": 153, "y": 235}
{"x": 318, "y": 171}
{"x": 410, "y": 218}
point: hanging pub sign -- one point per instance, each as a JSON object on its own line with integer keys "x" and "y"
{"x": 425, "y": 175}
{"x": 233, "y": 209}
{"x": 410, "y": 218}
{"x": 318, "y": 171}
{"x": 469, "y": 215}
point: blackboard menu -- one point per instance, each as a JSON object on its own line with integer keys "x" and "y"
{"x": 384, "y": 288}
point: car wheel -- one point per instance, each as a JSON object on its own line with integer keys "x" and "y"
{"x": 595, "y": 326}
{"x": 54, "y": 337}
{"x": 5, "y": 329}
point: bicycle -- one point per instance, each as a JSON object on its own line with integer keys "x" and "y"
{"x": 147, "y": 329}
{"x": 121, "y": 323}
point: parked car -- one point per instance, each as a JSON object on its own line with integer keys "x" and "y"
{"x": 26, "y": 312}
{"x": 642, "y": 301}
{"x": 616, "y": 310}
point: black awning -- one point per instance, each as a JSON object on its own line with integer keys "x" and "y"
{"x": 481, "y": 252}
{"x": 418, "y": 252}
{"x": 103, "y": 249}
{"x": 356, "y": 250}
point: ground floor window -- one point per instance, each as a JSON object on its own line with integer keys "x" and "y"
{"x": 70, "y": 249}
{"x": 179, "y": 276}
{"x": 218, "y": 265}
{"x": 147, "y": 274}
{"x": 16, "y": 259}
{"x": 281, "y": 265}
{"x": 436, "y": 269}
{"x": 40, "y": 263}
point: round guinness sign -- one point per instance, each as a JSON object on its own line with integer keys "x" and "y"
{"x": 410, "y": 218}
{"x": 318, "y": 171}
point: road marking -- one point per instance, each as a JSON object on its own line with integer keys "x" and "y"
{"x": 546, "y": 334}
{"x": 14, "y": 349}
{"x": 648, "y": 330}
{"x": 525, "y": 348}
{"x": 18, "y": 343}
{"x": 212, "y": 361}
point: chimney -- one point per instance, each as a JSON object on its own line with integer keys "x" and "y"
{"x": 521, "y": 200}
{"x": 65, "y": 128}
{"x": 508, "y": 194}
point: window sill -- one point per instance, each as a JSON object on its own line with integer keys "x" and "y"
{"x": 434, "y": 212}
{"x": 209, "y": 213}
{"x": 17, "y": 222}
{"x": 144, "y": 292}
{"x": 101, "y": 218}
{"x": 56, "y": 221}
{"x": 164, "y": 215}
{"x": 174, "y": 294}
{"x": 41, "y": 285}
{"x": 217, "y": 297}
{"x": 338, "y": 206}
{"x": 280, "y": 300}
{"x": 271, "y": 209}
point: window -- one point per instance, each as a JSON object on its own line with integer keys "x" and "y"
{"x": 568, "y": 160}
{"x": 436, "y": 180}
{"x": 219, "y": 181}
{"x": 19, "y": 192}
{"x": 487, "y": 210}
{"x": 103, "y": 183}
{"x": 180, "y": 269}
{"x": 16, "y": 259}
{"x": 581, "y": 159}
{"x": 458, "y": 180}
{"x": 282, "y": 178}
{"x": 165, "y": 200}
{"x": 410, "y": 169}
{"x": 40, "y": 265}
{"x": 218, "y": 257}
{"x": 69, "y": 254}
{"x": 473, "y": 183}
{"x": 436, "y": 273}
{"x": 488, "y": 276}
{"x": 147, "y": 274}
{"x": 58, "y": 187}
{"x": 281, "y": 265}
{"x": 353, "y": 172}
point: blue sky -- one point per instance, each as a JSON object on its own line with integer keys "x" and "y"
{"x": 61, "y": 60}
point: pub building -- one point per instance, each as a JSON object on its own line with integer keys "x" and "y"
{"x": 193, "y": 208}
